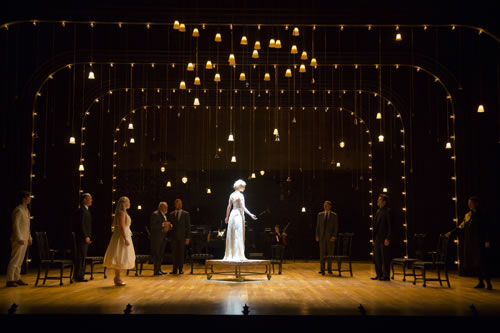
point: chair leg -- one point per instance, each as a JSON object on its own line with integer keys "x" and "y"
{"x": 350, "y": 266}
{"x": 105, "y": 276}
{"x": 61, "y": 275}
{"x": 423, "y": 274}
{"x": 92, "y": 270}
{"x": 128, "y": 271}
{"x": 446, "y": 274}
{"x": 280, "y": 268}
{"x": 339, "y": 266}
{"x": 439, "y": 276}
{"x": 142, "y": 265}
{"x": 46, "y": 273}
{"x": 38, "y": 275}
{"x": 392, "y": 268}
{"x": 71, "y": 274}
{"x": 414, "y": 276}
{"x": 404, "y": 272}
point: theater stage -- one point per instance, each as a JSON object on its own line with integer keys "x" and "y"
{"x": 300, "y": 290}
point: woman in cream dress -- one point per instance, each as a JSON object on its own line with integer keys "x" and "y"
{"x": 120, "y": 253}
{"x": 235, "y": 219}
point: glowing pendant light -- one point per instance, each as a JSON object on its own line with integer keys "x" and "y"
{"x": 197, "y": 81}
{"x": 294, "y": 50}
{"x": 242, "y": 76}
{"x": 272, "y": 43}
{"x": 398, "y": 37}
{"x": 257, "y": 45}
{"x": 233, "y": 159}
{"x": 275, "y": 132}
{"x": 182, "y": 85}
{"x": 196, "y": 101}
{"x": 184, "y": 180}
{"x": 162, "y": 169}
{"x": 314, "y": 62}
{"x": 302, "y": 68}
{"x": 288, "y": 72}
{"x": 208, "y": 65}
{"x": 72, "y": 140}
{"x": 231, "y": 60}
{"x": 81, "y": 168}
{"x": 253, "y": 175}
{"x": 295, "y": 32}
{"x": 448, "y": 145}
{"x": 209, "y": 191}
{"x": 380, "y": 138}
{"x": 338, "y": 165}
{"x": 132, "y": 140}
{"x": 303, "y": 209}
{"x": 217, "y": 77}
{"x": 176, "y": 25}
{"x": 267, "y": 77}
{"x": 278, "y": 44}
{"x": 169, "y": 184}
{"x": 190, "y": 67}
{"x": 255, "y": 54}
{"x": 91, "y": 74}
{"x": 379, "y": 115}
{"x": 218, "y": 38}
{"x": 342, "y": 144}
{"x": 244, "y": 40}
{"x": 262, "y": 172}
{"x": 480, "y": 108}
{"x": 196, "y": 32}
{"x": 182, "y": 27}
{"x": 303, "y": 56}
{"x": 230, "y": 138}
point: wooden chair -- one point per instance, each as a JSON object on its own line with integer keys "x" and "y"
{"x": 406, "y": 263}
{"x": 198, "y": 250}
{"x": 48, "y": 261}
{"x": 141, "y": 246}
{"x": 92, "y": 260}
{"x": 343, "y": 249}
{"x": 439, "y": 262}
{"x": 277, "y": 252}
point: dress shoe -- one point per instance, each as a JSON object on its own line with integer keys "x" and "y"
{"x": 385, "y": 279}
{"x": 157, "y": 274}
{"x": 181, "y": 272}
{"x": 330, "y": 272}
{"x": 12, "y": 284}
{"x": 321, "y": 272}
{"x": 21, "y": 283}
{"x": 119, "y": 283}
{"x": 375, "y": 278}
{"x": 173, "y": 272}
{"x": 82, "y": 280}
{"x": 480, "y": 285}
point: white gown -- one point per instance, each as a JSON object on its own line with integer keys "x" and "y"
{"x": 118, "y": 255}
{"x": 235, "y": 234}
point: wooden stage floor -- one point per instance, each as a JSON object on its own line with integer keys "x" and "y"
{"x": 300, "y": 290}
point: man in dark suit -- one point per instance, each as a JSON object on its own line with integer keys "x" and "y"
{"x": 158, "y": 222}
{"x": 82, "y": 226}
{"x": 382, "y": 234}
{"x": 180, "y": 235}
{"x": 327, "y": 226}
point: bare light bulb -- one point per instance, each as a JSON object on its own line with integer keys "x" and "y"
{"x": 72, "y": 140}
{"x": 184, "y": 180}
{"x": 342, "y": 144}
{"x": 262, "y": 172}
{"x": 480, "y": 108}
{"x": 233, "y": 159}
{"x": 380, "y": 138}
{"x": 169, "y": 184}
{"x": 230, "y": 138}
{"x": 81, "y": 168}
{"x": 379, "y": 115}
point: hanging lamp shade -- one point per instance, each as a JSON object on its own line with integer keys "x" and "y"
{"x": 196, "y": 32}
{"x": 303, "y": 210}
{"x": 162, "y": 169}
{"x": 399, "y": 37}
{"x": 190, "y": 67}
{"x": 182, "y": 85}
{"x": 253, "y": 175}
{"x": 196, "y": 101}
{"x": 231, "y": 60}
{"x": 277, "y": 138}
{"x": 91, "y": 75}
{"x": 296, "y": 32}
{"x": 209, "y": 191}
{"x": 380, "y": 138}
{"x": 255, "y": 54}
{"x": 182, "y": 27}
{"x": 303, "y": 56}
{"x": 275, "y": 132}
{"x": 218, "y": 37}
{"x": 184, "y": 180}
{"x": 72, "y": 140}
{"x": 132, "y": 140}
{"x": 169, "y": 184}
{"x": 302, "y": 68}
{"x": 288, "y": 72}
{"x": 314, "y": 62}
{"x": 448, "y": 145}
{"x": 379, "y": 115}
{"x": 244, "y": 40}
{"x": 81, "y": 168}
{"x": 208, "y": 65}
{"x": 278, "y": 44}
{"x": 294, "y": 50}
{"x": 176, "y": 25}
{"x": 262, "y": 172}
{"x": 197, "y": 81}
{"x": 217, "y": 77}
{"x": 257, "y": 45}
{"x": 338, "y": 164}
{"x": 242, "y": 76}
{"x": 230, "y": 138}
{"x": 130, "y": 126}
{"x": 384, "y": 190}
{"x": 233, "y": 159}
{"x": 267, "y": 77}
{"x": 272, "y": 43}
{"x": 480, "y": 108}
{"x": 342, "y": 144}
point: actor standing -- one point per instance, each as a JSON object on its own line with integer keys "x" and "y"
{"x": 82, "y": 226}
{"x": 20, "y": 239}
{"x": 180, "y": 235}
{"x": 327, "y": 226}
{"x": 158, "y": 225}
{"x": 382, "y": 234}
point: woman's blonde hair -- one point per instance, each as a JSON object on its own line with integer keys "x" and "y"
{"x": 239, "y": 183}
{"x": 120, "y": 207}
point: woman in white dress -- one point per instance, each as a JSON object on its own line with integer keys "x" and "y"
{"x": 235, "y": 219}
{"x": 120, "y": 253}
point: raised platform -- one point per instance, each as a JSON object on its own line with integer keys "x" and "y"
{"x": 237, "y": 268}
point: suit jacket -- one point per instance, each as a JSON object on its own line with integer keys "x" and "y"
{"x": 382, "y": 224}
{"x": 20, "y": 224}
{"x": 181, "y": 228}
{"x": 325, "y": 231}
{"x": 82, "y": 224}
{"x": 155, "y": 223}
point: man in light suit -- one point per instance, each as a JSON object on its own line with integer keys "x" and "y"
{"x": 82, "y": 226}
{"x": 382, "y": 234}
{"x": 20, "y": 239}
{"x": 180, "y": 235}
{"x": 327, "y": 226}
{"x": 158, "y": 221}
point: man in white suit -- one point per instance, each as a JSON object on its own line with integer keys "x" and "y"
{"x": 327, "y": 226}
{"x": 20, "y": 239}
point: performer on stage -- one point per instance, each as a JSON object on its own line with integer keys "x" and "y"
{"x": 120, "y": 253}
{"x": 235, "y": 219}
{"x": 382, "y": 234}
{"x": 327, "y": 226}
{"x": 82, "y": 226}
{"x": 180, "y": 235}
{"x": 158, "y": 227}
{"x": 279, "y": 237}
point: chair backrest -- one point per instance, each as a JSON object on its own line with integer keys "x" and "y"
{"x": 442, "y": 251}
{"x": 199, "y": 242}
{"x": 344, "y": 244}
{"x": 141, "y": 243}
{"x": 420, "y": 245}
{"x": 42, "y": 245}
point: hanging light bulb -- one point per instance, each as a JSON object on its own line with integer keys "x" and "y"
{"x": 278, "y": 44}
{"x": 139, "y": 207}
{"x": 338, "y": 165}
{"x": 272, "y": 43}
{"x": 230, "y": 138}
{"x": 255, "y": 54}
{"x": 288, "y": 72}
{"x": 169, "y": 184}
{"x": 209, "y": 191}
{"x": 379, "y": 115}
{"x": 217, "y": 77}
{"x": 448, "y": 145}
{"x": 233, "y": 159}
{"x": 218, "y": 38}
{"x": 208, "y": 65}
{"x": 302, "y": 68}
{"x": 257, "y": 45}
{"x": 184, "y": 180}
{"x": 303, "y": 209}
{"x": 303, "y": 56}
{"x": 196, "y": 101}
{"x": 132, "y": 140}
{"x": 342, "y": 144}
{"x": 72, "y": 140}
{"x": 262, "y": 172}
{"x": 182, "y": 27}
{"x": 253, "y": 175}
{"x": 277, "y": 138}
{"x": 182, "y": 85}
{"x": 190, "y": 67}
{"x": 275, "y": 132}
{"x": 295, "y": 32}
{"x": 380, "y": 138}
{"x": 91, "y": 73}
{"x": 130, "y": 126}
{"x": 231, "y": 60}
{"x": 242, "y": 76}
{"x": 81, "y": 168}
{"x": 314, "y": 62}
{"x": 398, "y": 37}
{"x": 267, "y": 77}
{"x": 294, "y": 49}
{"x": 176, "y": 25}
{"x": 196, "y": 32}
{"x": 162, "y": 169}
{"x": 384, "y": 190}
{"x": 294, "y": 120}
{"x": 244, "y": 40}
{"x": 197, "y": 81}
{"x": 480, "y": 108}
